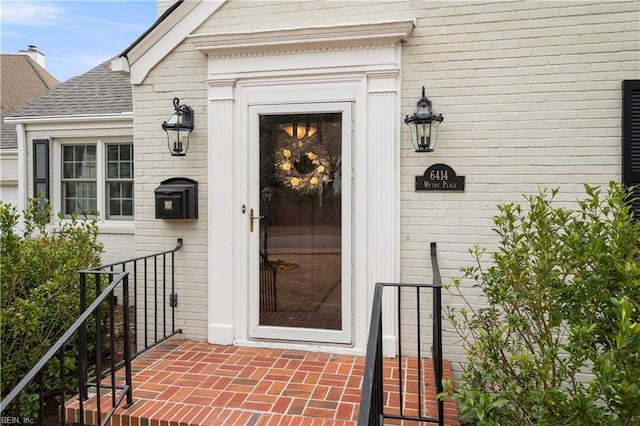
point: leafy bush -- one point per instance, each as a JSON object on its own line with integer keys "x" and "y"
{"x": 40, "y": 291}
{"x": 558, "y": 340}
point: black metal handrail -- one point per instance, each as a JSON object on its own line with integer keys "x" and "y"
{"x": 150, "y": 288}
{"x": 151, "y": 283}
{"x": 58, "y": 349}
{"x": 372, "y": 409}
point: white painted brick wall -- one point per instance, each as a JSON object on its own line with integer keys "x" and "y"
{"x": 530, "y": 92}
{"x": 118, "y": 246}
{"x": 153, "y": 105}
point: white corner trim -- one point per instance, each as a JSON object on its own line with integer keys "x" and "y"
{"x": 167, "y": 35}
{"x": 22, "y": 172}
{"x": 328, "y": 36}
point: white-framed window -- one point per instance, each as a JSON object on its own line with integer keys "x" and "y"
{"x": 79, "y": 179}
{"x": 119, "y": 181}
{"x": 97, "y": 177}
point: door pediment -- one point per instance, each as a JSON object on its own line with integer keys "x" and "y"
{"x": 303, "y": 38}
{"x": 311, "y": 50}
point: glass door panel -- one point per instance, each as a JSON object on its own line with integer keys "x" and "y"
{"x": 301, "y": 258}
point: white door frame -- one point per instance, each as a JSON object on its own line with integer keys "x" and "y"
{"x": 299, "y": 334}
{"x": 359, "y": 64}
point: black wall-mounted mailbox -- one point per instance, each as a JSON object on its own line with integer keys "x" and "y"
{"x": 177, "y": 198}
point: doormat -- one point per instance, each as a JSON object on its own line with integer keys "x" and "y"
{"x": 281, "y": 265}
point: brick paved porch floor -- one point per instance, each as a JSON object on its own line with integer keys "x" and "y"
{"x": 190, "y": 383}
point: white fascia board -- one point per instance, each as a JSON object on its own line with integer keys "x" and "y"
{"x": 70, "y": 118}
{"x": 303, "y": 37}
{"x": 167, "y": 35}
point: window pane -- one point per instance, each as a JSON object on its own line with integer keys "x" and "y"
{"x": 91, "y": 153}
{"x": 114, "y": 190}
{"x": 114, "y": 208}
{"x": 127, "y": 190}
{"x": 127, "y": 208}
{"x": 125, "y": 171}
{"x": 70, "y": 190}
{"x": 82, "y": 190}
{"x": 126, "y": 152}
{"x": 89, "y": 170}
{"x": 67, "y": 153}
{"x": 67, "y": 170}
{"x": 112, "y": 170}
{"x": 112, "y": 152}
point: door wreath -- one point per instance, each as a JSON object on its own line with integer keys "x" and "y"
{"x": 303, "y": 166}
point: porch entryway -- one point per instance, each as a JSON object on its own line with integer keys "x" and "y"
{"x": 310, "y": 79}
{"x": 183, "y": 382}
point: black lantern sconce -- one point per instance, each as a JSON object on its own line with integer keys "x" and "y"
{"x": 178, "y": 128}
{"x": 424, "y": 125}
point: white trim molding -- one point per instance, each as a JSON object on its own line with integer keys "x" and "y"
{"x": 72, "y": 118}
{"x": 165, "y": 37}
{"x": 221, "y": 213}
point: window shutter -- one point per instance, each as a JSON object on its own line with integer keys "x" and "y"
{"x": 41, "y": 167}
{"x": 631, "y": 138}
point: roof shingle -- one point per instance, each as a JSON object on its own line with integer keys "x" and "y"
{"x": 98, "y": 91}
{"x": 22, "y": 79}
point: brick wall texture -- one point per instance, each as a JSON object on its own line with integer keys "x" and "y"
{"x": 530, "y": 92}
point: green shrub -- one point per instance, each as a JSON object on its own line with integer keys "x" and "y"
{"x": 558, "y": 340}
{"x": 40, "y": 291}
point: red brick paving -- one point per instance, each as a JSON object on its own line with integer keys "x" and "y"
{"x": 186, "y": 383}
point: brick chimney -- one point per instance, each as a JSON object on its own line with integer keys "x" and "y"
{"x": 33, "y": 52}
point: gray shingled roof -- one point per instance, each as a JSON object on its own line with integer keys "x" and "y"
{"x": 8, "y": 136}
{"x": 98, "y": 91}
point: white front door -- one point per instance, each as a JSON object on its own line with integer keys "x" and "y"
{"x": 300, "y": 224}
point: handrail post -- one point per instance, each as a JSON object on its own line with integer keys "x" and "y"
{"x": 378, "y": 382}
{"x": 371, "y": 403}
{"x": 126, "y": 334}
{"x": 437, "y": 329}
{"x": 82, "y": 350}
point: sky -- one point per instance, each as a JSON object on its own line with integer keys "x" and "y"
{"x": 75, "y": 36}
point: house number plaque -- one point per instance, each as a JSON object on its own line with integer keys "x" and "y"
{"x": 440, "y": 177}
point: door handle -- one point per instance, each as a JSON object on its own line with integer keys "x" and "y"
{"x": 251, "y": 218}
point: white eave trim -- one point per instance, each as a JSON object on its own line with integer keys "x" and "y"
{"x": 167, "y": 36}
{"x": 389, "y": 32}
{"x": 71, "y": 118}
